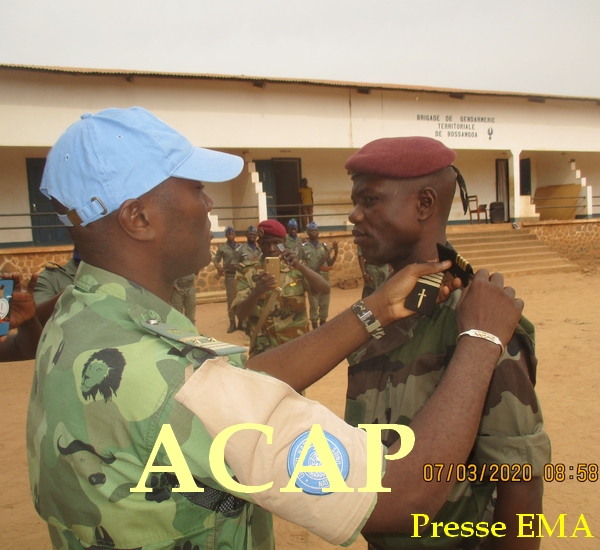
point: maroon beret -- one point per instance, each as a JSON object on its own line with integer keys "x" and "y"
{"x": 401, "y": 157}
{"x": 271, "y": 228}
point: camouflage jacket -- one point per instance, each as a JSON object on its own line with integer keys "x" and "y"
{"x": 288, "y": 318}
{"x": 390, "y": 379}
{"x": 226, "y": 254}
{"x": 103, "y": 387}
{"x": 53, "y": 279}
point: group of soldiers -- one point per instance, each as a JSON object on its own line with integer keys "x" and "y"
{"x": 242, "y": 263}
{"x": 273, "y": 311}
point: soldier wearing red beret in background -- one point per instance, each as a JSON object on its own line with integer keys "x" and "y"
{"x": 274, "y": 310}
{"x": 403, "y": 190}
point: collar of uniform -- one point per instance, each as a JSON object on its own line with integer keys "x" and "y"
{"x": 94, "y": 280}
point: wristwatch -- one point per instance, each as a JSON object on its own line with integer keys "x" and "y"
{"x": 367, "y": 318}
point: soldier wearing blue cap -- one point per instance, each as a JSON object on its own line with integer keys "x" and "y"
{"x": 249, "y": 252}
{"x": 225, "y": 255}
{"x": 293, "y": 241}
{"x": 320, "y": 259}
{"x": 118, "y": 367}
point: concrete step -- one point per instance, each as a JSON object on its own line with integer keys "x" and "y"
{"x": 521, "y": 267}
{"x": 470, "y": 250}
{"x": 509, "y": 251}
{"x": 516, "y": 237}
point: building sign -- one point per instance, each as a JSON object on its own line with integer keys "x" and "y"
{"x": 466, "y": 126}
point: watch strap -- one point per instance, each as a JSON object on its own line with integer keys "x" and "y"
{"x": 367, "y": 318}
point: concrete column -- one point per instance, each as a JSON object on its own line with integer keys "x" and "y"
{"x": 514, "y": 184}
{"x": 589, "y": 201}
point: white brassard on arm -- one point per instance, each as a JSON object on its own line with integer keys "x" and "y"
{"x": 223, "y": 396}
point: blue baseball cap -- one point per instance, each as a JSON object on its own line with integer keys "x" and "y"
{"x": 118, "y": 154}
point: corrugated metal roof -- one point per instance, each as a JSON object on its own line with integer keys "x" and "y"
{"x": 281, "y": 80}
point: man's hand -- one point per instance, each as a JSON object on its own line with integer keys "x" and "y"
{"x": 220, "y": 270}
{"x": 387, "y": 302}
{"x": 486, "y": 304}
{"x": 290, "y": 258}
{"x": 22, "y": 304}
{"x": 264, "y": 282}
{"x": 367, "y": 279}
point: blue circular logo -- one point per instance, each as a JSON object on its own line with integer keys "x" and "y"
{"x": 316, "y": 483}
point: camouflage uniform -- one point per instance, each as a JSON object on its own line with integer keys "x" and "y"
{"x": 102, "y": 389}
{"x": 184, "y": 299}
{"x": 226, "y": 254}
{"x": 245, "y": 255}
{"x": 287, "y": 319}
{"x": 53, "y": 279}
{"x": 319, "y": 303}
{"x": 390, "y": 379}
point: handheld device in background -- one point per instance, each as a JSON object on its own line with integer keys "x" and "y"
{"x": 6, "y": 291}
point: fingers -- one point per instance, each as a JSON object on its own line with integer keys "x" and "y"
{"x": 427, "y": 268}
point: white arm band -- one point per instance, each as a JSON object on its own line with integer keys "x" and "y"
{"x": 223, "y": 396}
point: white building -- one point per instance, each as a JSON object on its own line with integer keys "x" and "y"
{"x": 510, "y": 146}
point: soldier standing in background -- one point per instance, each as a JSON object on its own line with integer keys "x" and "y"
{"x": 292, "y": 241}
{"x": 183, "y": 298}
{"x": 249, "y": 251}
{"x": 225, "y": 255}
{"x": 373, "y": 275}
{"x": 320, "y": 259}
{"x": 55, "y": 278}
{"x": 275, "y": 309}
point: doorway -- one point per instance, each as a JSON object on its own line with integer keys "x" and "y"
{"x": 42, "y": 209}
{"x": 281, "y": 180}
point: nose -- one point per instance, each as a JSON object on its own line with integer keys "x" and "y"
{"x": 355, "y": 215}
{"x": 208, "y": 201}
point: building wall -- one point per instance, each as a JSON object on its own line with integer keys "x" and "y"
{"x": 36, "y": 107}
{"x": 14, "y": 196}
{"x": 322, "y": 125}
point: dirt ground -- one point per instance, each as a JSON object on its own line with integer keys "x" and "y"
{"x": 563, "y": 308}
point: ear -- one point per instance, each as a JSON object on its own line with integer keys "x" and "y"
{"x": 428, "y": 199}
{"x": 135, "y": 219}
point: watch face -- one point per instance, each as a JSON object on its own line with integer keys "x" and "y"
{"x": 3, "y": 308}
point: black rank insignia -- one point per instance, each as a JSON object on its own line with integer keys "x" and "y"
{"x": 423, "y": 297}
{"x": 460, "y": 267}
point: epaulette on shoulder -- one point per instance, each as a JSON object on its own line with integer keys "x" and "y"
{"x": 176, "y": 335}
{"x": 52, "y": 265}
{"x": 204, "y": 343}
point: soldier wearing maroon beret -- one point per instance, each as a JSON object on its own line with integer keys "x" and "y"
{"x": 403, "y": 189}
{"x": 274, "y": 308}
